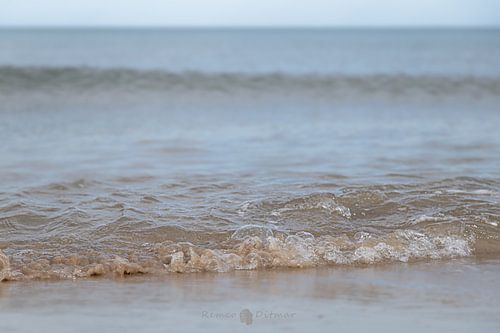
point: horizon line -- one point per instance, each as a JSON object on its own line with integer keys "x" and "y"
{"x": 263, "y": 27}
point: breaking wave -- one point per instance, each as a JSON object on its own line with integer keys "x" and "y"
{"x": 15, "y": 79}
{"x": 249, "y": 248}
{"x": 116, "y": 235}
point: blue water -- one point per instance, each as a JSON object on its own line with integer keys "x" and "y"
{"x": 450, "y": 52}
{"x": 343, "y": 146}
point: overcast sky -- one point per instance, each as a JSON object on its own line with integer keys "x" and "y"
{"x": 250, "y": 12}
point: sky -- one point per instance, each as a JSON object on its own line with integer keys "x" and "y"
{"x": 349, "y": 13}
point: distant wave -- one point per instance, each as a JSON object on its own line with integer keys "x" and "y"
{"x": 90, "y": 79}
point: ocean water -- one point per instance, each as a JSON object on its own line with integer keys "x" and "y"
{"x": 421, "y": 297}
{"x": 162, "y": 151}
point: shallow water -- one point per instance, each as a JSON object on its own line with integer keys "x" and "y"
{"x": 415, "y": 297}
{"x": 159, "y": 153}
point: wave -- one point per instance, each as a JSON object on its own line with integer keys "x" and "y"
{"x": 249, "y": 248}
{"x": 78, "y": 79}
{"x": 109, "y": 235}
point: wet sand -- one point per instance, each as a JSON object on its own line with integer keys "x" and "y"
{"x": 459, "y": 295}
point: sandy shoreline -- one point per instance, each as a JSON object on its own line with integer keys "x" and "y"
{"x": 460, "y": 295}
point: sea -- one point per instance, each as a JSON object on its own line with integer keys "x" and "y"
{"x": 249, "y": 163}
